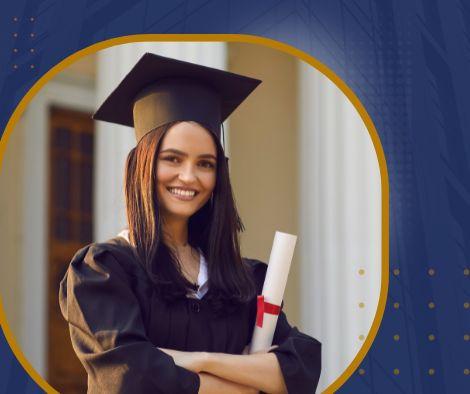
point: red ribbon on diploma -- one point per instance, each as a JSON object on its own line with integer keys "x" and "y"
{"x": 265, "y": 307}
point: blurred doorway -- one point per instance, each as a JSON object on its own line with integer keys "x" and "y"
{"x": 70, "y": 228}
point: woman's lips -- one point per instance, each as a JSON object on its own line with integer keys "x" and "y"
{"x": 182, "y": 197}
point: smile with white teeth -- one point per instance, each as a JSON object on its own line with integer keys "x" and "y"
{"x": 181, "y": 192}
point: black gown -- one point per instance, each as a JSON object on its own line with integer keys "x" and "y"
{"x": 117, "y": 321}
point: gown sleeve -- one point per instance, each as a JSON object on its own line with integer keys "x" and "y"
{"x": 299, "y": 355}
{"x": 108, "y": 333}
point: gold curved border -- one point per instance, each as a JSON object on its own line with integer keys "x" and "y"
{"x": 228, "y": 38}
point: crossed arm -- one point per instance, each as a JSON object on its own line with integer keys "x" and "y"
{"x": 232, "y": 373}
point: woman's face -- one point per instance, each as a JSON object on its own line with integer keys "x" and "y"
{"x": 186, "y": 170}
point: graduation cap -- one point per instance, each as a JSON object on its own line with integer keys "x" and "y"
{"x": 159, "y": 90}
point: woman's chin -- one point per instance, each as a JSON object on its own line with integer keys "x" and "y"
{"x": 180, "y": 213}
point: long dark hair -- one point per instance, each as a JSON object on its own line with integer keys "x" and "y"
{"x": 214, "y": 229}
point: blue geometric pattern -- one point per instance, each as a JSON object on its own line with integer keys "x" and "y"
{"x": 408, "y": 62}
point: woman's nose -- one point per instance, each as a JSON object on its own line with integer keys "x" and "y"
{"x": 187, "y": 173}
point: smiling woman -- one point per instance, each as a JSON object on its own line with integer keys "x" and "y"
{"x": 186, "y": 169}
{"x": 170, "y": 306}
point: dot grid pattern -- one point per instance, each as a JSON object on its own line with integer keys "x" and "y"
{"x": 408, "y": 63}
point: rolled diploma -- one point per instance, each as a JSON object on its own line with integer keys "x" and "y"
{"x": 273, "y": 288}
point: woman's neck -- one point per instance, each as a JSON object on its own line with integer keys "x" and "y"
{"x": 175, "y": 232}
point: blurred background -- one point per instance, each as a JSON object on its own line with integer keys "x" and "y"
{"x": 301, "y": 161}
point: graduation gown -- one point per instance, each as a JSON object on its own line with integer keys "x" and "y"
{"x": 117, "y": 321}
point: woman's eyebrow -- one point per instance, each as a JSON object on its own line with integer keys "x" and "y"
{"x": 178, "y": 152}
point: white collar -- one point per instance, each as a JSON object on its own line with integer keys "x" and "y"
{"x": 202, "y": 279}
{"x": 124, "y": 234}
{"x": 202, "y": 276}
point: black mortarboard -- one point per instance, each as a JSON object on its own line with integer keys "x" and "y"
{"x": 159, "y": 90}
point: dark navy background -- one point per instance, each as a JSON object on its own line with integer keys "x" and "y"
{"x": 409, "y": 64}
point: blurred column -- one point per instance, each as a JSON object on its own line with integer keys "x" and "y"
{"x": 113, "y": 142}
{"x": 340, "y": 222}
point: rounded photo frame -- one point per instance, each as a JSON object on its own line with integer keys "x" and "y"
{"x": 366, "y": 340}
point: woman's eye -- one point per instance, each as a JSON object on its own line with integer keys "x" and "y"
{"x": 172, "y": 159}
{"x": 176, "y": 160}
{"x": 207, "y": 164}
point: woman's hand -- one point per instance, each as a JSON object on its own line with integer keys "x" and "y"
{"x": 259, "y": 370}
{"x": 193, "y": 361}
{"x": 211, "y": 384}
{"x": 247, "y": 347}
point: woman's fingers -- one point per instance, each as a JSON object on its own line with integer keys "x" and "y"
{"x": 245, "y": 351}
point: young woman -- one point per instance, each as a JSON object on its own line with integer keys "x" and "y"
{"x": 169, "y": 306}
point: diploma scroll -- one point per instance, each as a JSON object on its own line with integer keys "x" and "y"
{"x": 269, "y": 302}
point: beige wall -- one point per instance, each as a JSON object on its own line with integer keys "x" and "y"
{"x": 11, "y": 229}
{"x": 264, "y": 155}
{"x": 81, "y": 72}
